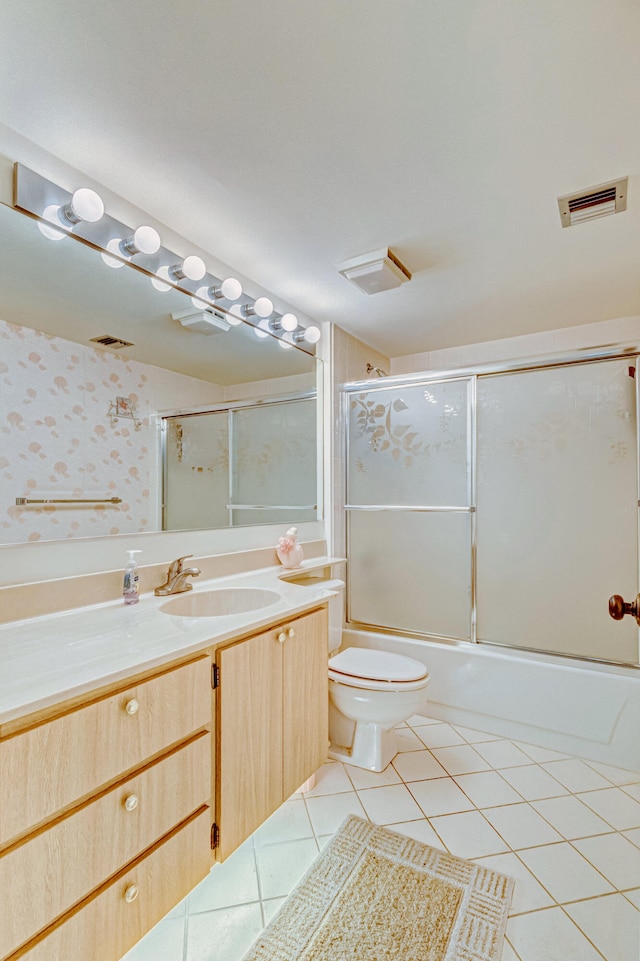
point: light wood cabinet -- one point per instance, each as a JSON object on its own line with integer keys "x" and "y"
{"x": 271, "y": 721}
{"x": 97, "y": 797}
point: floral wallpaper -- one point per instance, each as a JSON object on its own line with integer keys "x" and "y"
{"x": 59, "y": 437}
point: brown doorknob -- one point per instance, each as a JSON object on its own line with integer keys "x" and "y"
{"x": 618, "y": 607}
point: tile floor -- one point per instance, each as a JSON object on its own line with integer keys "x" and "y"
{"x": 567, "y": 830}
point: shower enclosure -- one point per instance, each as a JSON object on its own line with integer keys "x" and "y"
{"x": 497, "y": 508}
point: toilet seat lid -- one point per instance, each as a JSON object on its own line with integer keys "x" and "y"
{"x": 377, "y": 665}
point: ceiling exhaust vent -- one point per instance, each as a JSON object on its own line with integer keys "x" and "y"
{"x": 202, "y": 321}
{"x": 376, "y": 271}
{"x": 600, "y": 201}
{"x": 106, "y": 340}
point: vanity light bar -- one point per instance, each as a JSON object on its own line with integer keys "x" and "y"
{"x": 60, "y": 213}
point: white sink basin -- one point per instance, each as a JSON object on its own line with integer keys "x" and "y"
{"x": 220, "y": 602}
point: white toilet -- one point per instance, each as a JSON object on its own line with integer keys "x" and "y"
{"x": 370, "y": 692}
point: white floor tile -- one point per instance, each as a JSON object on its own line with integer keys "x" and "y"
{"x": 616, "y": 775}
{"x": 388, "y": 805}
{"x": 549, "y": 935}
{"x": 165, "y": 942}
{"x": 633, "y": 836}
{"x": 508, "y": 954}
{"x": 475, "y": 737}
{"x": 565, "y": 874}
{"x": 616, "y": 807}
{"x": 280, "y": 866}
{"x": 612, "y": 924}
{"x": 575, "y": 775}
{"x": 289, "y": 823}
{"x": 235, "y": 881}
{"x": 521, "y": 826}
{"x": 330, "y": 779}
{"x": 407, "y": 740}
{"x": 461, "y": 759}
{"x": 225, "y": 935}
{"x": 362, "y": 779}
{"x": 420, "y": 831}
{"x": 487, "y": 789}
{"x": 420, "y": 720}
{"x": 533, "y": 782}
{"x": 571, "y": 817}
{"x": 540, "y": 754}
{"x": 633, "y": 790}
{"x": 439, "y": 735}
{"x": 501, "y": 754}
{"x": 440, "y": 796}
{"x": 634, "y": 897}
{"x": 418, "y": 766}
{"x": 328, "y": 813}
{"x": 614, "y": 856}
{"x": 468, "y": 835}
{"x": 528, "y": 895}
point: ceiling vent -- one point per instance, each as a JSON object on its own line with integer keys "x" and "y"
{"x": 376, "y": 271}
{"x": 202, "y": 321}
{"x": 600, "y": 201}
{"x": 106, "y": 340}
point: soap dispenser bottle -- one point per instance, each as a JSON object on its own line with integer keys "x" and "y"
{"x": 130, "y": 586}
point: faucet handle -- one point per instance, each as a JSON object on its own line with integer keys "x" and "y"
{"x": 176, "y": 566}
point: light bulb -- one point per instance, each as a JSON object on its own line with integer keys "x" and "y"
{"x": 311, "y": 335}
{"x": 114, "y": 248}
{"x": 144, "y": 240}
{"x": 192, "y": 267}
{"x": 231, "y": 289}
{"x": 50, "y": 214}
{"x": 85, "y": 204}
{"x": 262, "y": 307}
{"x": 289, "y": 322}
{"x": 161, "y": 278}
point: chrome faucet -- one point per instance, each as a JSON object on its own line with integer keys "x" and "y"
{"x": 177, "y": 575}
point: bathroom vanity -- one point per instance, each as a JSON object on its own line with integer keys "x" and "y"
{"x": 120, "y": 791}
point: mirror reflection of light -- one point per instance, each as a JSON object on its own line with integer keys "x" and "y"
{"x": 159, "y": 281}
{"x": 234, "y": 315}
{"x": 56, "y": 232}
{"x": 262, "y": 330}
{"x": 114, "y": 248}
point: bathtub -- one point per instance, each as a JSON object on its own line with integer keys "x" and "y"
{"x": 575, "y": 707}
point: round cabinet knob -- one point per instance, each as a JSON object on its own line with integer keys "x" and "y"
{"x": 291, "y": 632}
{"x": 132, "y": 706}
{"x": 282, "y": 637}
{"x": 131, "y": 893}
{"x": 131, "y": 802}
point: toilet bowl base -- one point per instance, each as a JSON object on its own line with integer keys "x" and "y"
{"x": 373, "y": 747}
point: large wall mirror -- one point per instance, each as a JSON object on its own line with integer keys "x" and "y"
{"x": 102, "y": 375}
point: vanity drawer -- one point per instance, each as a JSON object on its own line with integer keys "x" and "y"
{"x": 109, "y": 925}
{"x": 81, "y": 851}
{"x": 66, "y": 759}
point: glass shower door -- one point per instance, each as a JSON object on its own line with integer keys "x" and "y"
{"x": 409, "y": 508}
{"x": 557, "y": 493}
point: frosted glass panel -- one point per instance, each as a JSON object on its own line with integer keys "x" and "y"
{"x": 410, "y": 571}
{"x": 197, "y": 472}
{"x": 409, "y": 445}
{"x": 556, "y": 502}
{"x": 274, "y": 460}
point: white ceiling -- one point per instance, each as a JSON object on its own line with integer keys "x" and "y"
{"x": 286, "y": 136}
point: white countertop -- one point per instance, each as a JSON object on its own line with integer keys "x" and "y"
{"x": 45, "y": 660}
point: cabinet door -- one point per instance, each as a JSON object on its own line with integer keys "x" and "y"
{"x": 305, "y": 697}
{"x": 249, "y": 776}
